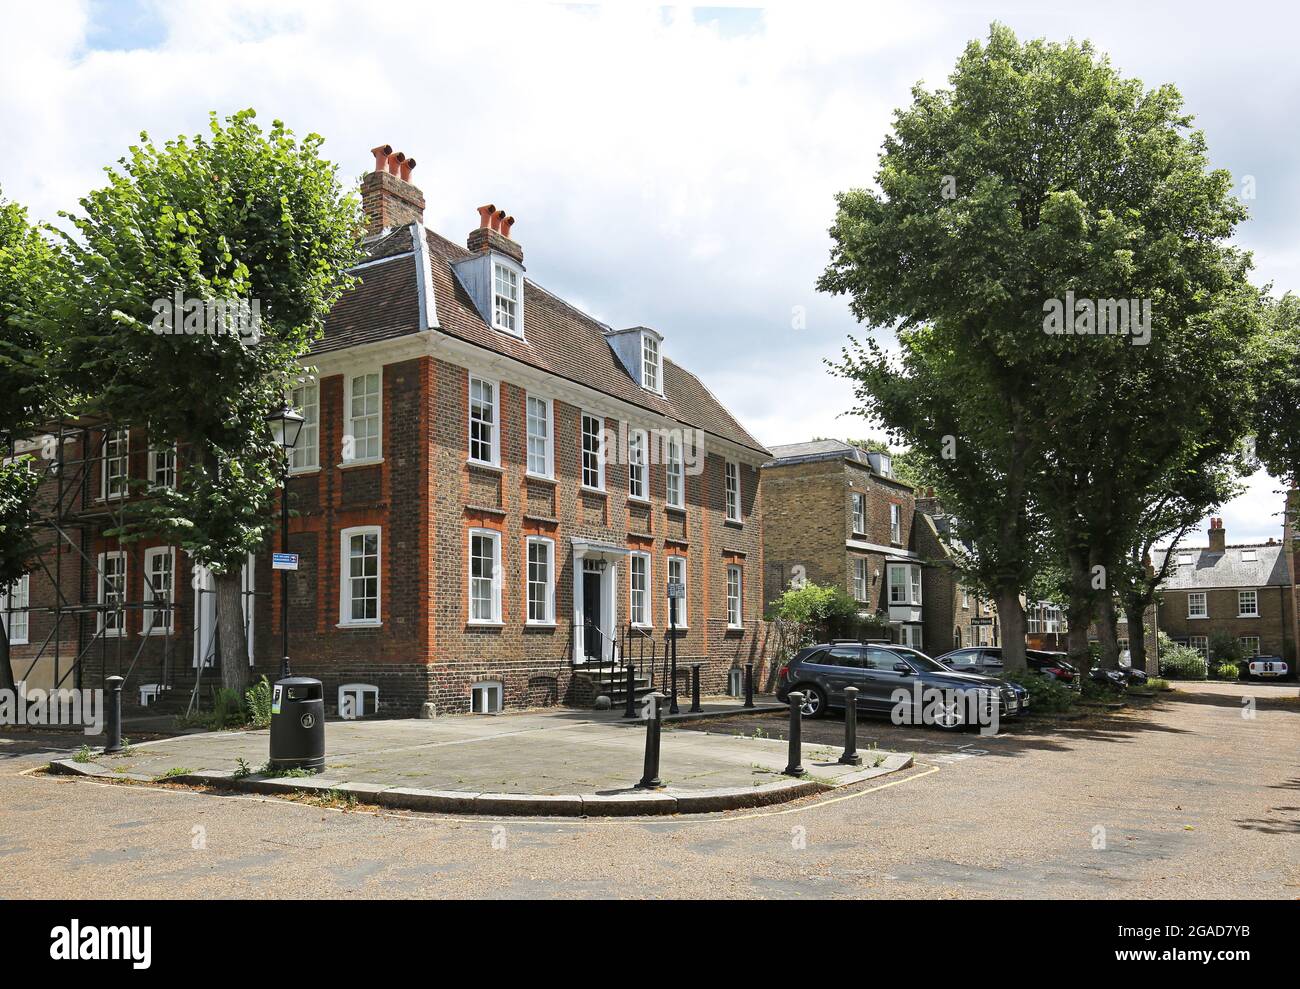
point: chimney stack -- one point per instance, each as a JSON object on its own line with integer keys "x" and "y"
{"x": 1218, "y": 536}
{"x": 388, "y": 199}
{"x": 493, "y": 234}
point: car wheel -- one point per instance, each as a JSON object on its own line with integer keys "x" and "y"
{"x": 814, "y": 701}
{"x": 950, "y": 716}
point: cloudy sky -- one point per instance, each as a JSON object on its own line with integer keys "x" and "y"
{"x": 667, "y": 166}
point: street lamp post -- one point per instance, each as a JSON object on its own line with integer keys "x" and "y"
{"x": 286, "y": 424}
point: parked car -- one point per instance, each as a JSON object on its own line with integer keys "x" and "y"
{"x": 988, "y": 660}
{"x": 1112, "y": 679}
{"x": 821, "y": 673}
{"x": 1268, "y": 667}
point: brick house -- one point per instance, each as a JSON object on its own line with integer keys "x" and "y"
{"x": 835, "y": 515}
{"x": 1245, "y": 590}
{"x": 492, "y": 490}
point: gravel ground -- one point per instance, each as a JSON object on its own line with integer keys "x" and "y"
{"x": 1187, "y": 798}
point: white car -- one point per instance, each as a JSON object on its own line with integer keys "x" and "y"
{"x": 1268, "y": 666}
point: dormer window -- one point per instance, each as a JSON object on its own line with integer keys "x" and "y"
{"x": 505, "y": 298}
{"x": 649, "y": 362}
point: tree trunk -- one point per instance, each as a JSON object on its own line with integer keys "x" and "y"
{"x": 6, "y": 665}
{"x": 1011, "y": 619}
{"x": 1109, "y": 636}
{"x": 1137, "y": 636}
{"x": 1078, "y": 613}
{"x": 230, "y": 630}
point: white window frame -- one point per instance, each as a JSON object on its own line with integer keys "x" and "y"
{"x": 547, "y": 441}
{"x": 149, "y": 625}
{"x": 965, "y": 600}
{"x": 1246, "y": 640}
{"x": 494, "y": 537}
{"x": 18, "y": 623}
{"x": 896, "y": 523}
{"x": 112, "y": 438}
{"x": 305, "y": 400}
{"x": 1249, "y": 556}
{"x": 548, "y": 587}
{"x": 675, "y": 560}
{"x": 906, "y": 634}
{"x": 911, "y": 584}
{"x": 736, "y": 600}
{"x": 1195, "y": 596}
{"x": 481, "y": 695}
{"x": 638, "y": 484}
{"x": 651, "y": 364}
{"x": 158, "y": 457}
{"x": 675, "y": 471}
{"x": 600, "y": 451}
{"x": 1241, "y": 604}
{"x": 731, "y": 486}
{"x": 345, "y": 576}
{"x": 860, "y": 585}
{"x": 507, "y": 308}
{"x": 101, "y": 597}
{"x": 859, "y": 512}
{"x": 349, "y": 420}
{"x": 494, "y": 424}
{"x": 646, "y": 593}
{"x": 1204, "y": 644}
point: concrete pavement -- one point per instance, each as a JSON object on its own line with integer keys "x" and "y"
{"x": 1192, "y": 799}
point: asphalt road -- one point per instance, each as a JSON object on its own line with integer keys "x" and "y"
{"x": 1185, "y": 799}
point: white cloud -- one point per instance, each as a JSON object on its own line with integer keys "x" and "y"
{"x": 664, "y": 168}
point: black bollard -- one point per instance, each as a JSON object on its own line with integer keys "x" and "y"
{"x": 795, "y": 768}
{"x": 654, "y": 724}
{"x": 850, "y": 756}
{"x": 629, "y": 709}
{"x": 695, "y": 688}
{"x": 749, "y": 685}
{"x": 114, "y": 699}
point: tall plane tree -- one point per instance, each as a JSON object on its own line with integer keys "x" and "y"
{"x": 28, "y": 396}
{"x": 172, "y": 260}
{"x": 1016, "y": 211}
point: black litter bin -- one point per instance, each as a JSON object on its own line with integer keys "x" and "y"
{"x": 298, "y": 724}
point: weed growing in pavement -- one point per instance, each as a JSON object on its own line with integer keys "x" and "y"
{"x": 242, "y": 769}
{"x": 83, "y": 754}
{"x": 176, "y": 771}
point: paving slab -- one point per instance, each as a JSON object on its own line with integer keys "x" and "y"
{"x": 553, "y": 763}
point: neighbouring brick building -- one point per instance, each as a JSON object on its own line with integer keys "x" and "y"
{"x": 835, "y": 515}
{"x": 492, "y": 490}
{"x": 1246, "y": 590}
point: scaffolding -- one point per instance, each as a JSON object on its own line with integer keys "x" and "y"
{"x": 71, "y": 514}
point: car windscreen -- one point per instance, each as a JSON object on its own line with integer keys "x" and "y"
{"x": 920, "y": 660}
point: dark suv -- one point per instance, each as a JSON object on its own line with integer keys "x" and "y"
{"x": 878, "y": 670}
{"x": 988, "y": 660}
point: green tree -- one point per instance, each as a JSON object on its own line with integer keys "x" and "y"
{"x": 28, "y": 397}
{"x": 238, "y": 216}
{"x": 1041, "y": 172}
{"x": 1276, "y": 366}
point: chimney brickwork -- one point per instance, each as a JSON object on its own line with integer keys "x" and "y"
{"x": 388, "y": 199}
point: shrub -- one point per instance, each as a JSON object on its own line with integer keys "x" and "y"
{"x": 228, "y": 709}
{"x": 1227, "y": 671}
{"x": 831, "y": 610}
{"x": 258, "y": 700}
{"x": 1226, "y": 648}
{"x": 1046, "y": 696}
{"x": 1182, "y": 663}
